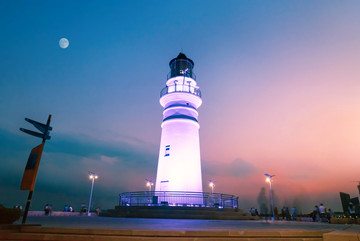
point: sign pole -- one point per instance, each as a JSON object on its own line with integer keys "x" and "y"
{"x": 29, "y": 177}
{"x": 27, "y": 207}
{"x": 33, "y": 184}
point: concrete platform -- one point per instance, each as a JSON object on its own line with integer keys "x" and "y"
{"x": 102, "y": 228}
{"x": 170, "y": 212}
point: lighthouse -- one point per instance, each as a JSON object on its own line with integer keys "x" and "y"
{"x": 179, "y": 163}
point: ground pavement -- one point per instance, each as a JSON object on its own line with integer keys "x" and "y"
{"x": 105, "y": 228}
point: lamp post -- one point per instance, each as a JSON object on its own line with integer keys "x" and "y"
{"x": 212, "y": 185}
{"x": 268, "y": 179}
{"x": 92, "y": 177}
{"x": 149, "y": 184}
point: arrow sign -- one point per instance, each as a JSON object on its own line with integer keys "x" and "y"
{"x": 40, "y": 126}
{"x": 44, "y": 128}
{"x": 37, "y": 134}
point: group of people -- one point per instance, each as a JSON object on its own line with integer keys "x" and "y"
{"x": 287, "y": 214}
{"x": 19, "y": 207}
{"x": 68, "y": 208}
{"x": 254, "y": 212}
{"x": 320, "y": 214}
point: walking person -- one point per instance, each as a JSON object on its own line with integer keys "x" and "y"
{"x": 329, "y": 215}
{"x": 293, "y": 213}
{"x": 322, "y": 212}
{"x": 316, "y": 214}
{"x": 287, "y": 213}
{"x": 283, "y": 213}
{"x": 47, "y": 209}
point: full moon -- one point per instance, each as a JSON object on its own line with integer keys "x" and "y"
{"x": 64, "y": 43}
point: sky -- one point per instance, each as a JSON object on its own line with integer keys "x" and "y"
{"x": 280, "y": 83}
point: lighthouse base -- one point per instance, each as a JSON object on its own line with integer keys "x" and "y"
{"x": 169, "y": 212}
{"x": 178, "y": 205}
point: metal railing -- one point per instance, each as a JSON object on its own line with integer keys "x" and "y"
{"x": 180, "y": 88}
{"x": 187, "y": 74}
{"x": 174, "y": 198}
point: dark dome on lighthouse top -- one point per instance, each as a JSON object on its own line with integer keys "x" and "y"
{"x": 181, "y": 66}
{"x": 181, "y": 56}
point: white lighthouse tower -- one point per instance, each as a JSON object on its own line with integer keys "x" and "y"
{"x": 179, "y": 165}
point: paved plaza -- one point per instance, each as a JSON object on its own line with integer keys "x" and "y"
{"x": 177, "y": 224}
{"x": 106, "y": 228}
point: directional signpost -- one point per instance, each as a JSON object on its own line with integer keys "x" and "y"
{"x": 32, "y": 165}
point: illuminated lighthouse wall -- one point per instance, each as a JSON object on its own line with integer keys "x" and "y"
{"x": 179, "y": 165}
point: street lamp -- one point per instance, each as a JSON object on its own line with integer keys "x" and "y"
{"x": 268, "y": 179}
{"x": 92, "y": 177}
{"x": 149, "y": 183}
{"x": 212, "y": 185}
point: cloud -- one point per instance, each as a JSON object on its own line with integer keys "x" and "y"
{"x": 108, "y": 160}
{"x": 63, "y": 172}
{"x": 236, "y": 168}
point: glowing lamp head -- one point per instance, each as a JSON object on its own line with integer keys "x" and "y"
{"x": 93, "y": 176}
{"x": 149, "y": 183}
{"x": 268, "y": 177}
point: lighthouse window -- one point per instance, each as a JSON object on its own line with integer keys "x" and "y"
{"x": 167, "y": 150}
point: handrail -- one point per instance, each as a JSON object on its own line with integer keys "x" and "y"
{"x": 177, "y": 198}
{"x": 187, "y": 74}
{"x": 180, "y": 88}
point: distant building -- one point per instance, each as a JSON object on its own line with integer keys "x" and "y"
{"x": 350, "y": 205}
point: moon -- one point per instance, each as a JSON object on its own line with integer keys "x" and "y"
{"x": 64, "y": 43}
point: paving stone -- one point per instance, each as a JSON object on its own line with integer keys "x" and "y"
{"x": 341, "y": 236}
{"x": 114, "y": 229}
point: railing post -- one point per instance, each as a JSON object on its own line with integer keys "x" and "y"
{"x": 144, "y": 198}
{"x": 175, "y": 88}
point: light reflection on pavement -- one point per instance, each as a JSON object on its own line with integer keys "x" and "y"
{"x": 177, "y": 224}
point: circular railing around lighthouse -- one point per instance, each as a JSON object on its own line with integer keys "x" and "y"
{"x": 189, "y": 74}
{"x": 180, "y": 88}
{"x": 177, "y": 198}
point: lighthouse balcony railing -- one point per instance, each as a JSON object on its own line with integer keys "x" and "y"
{"x": 187, "y": 88}
{"x": 179, "y": 72}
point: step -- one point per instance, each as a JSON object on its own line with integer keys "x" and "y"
{"x": 179, "y": 213}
